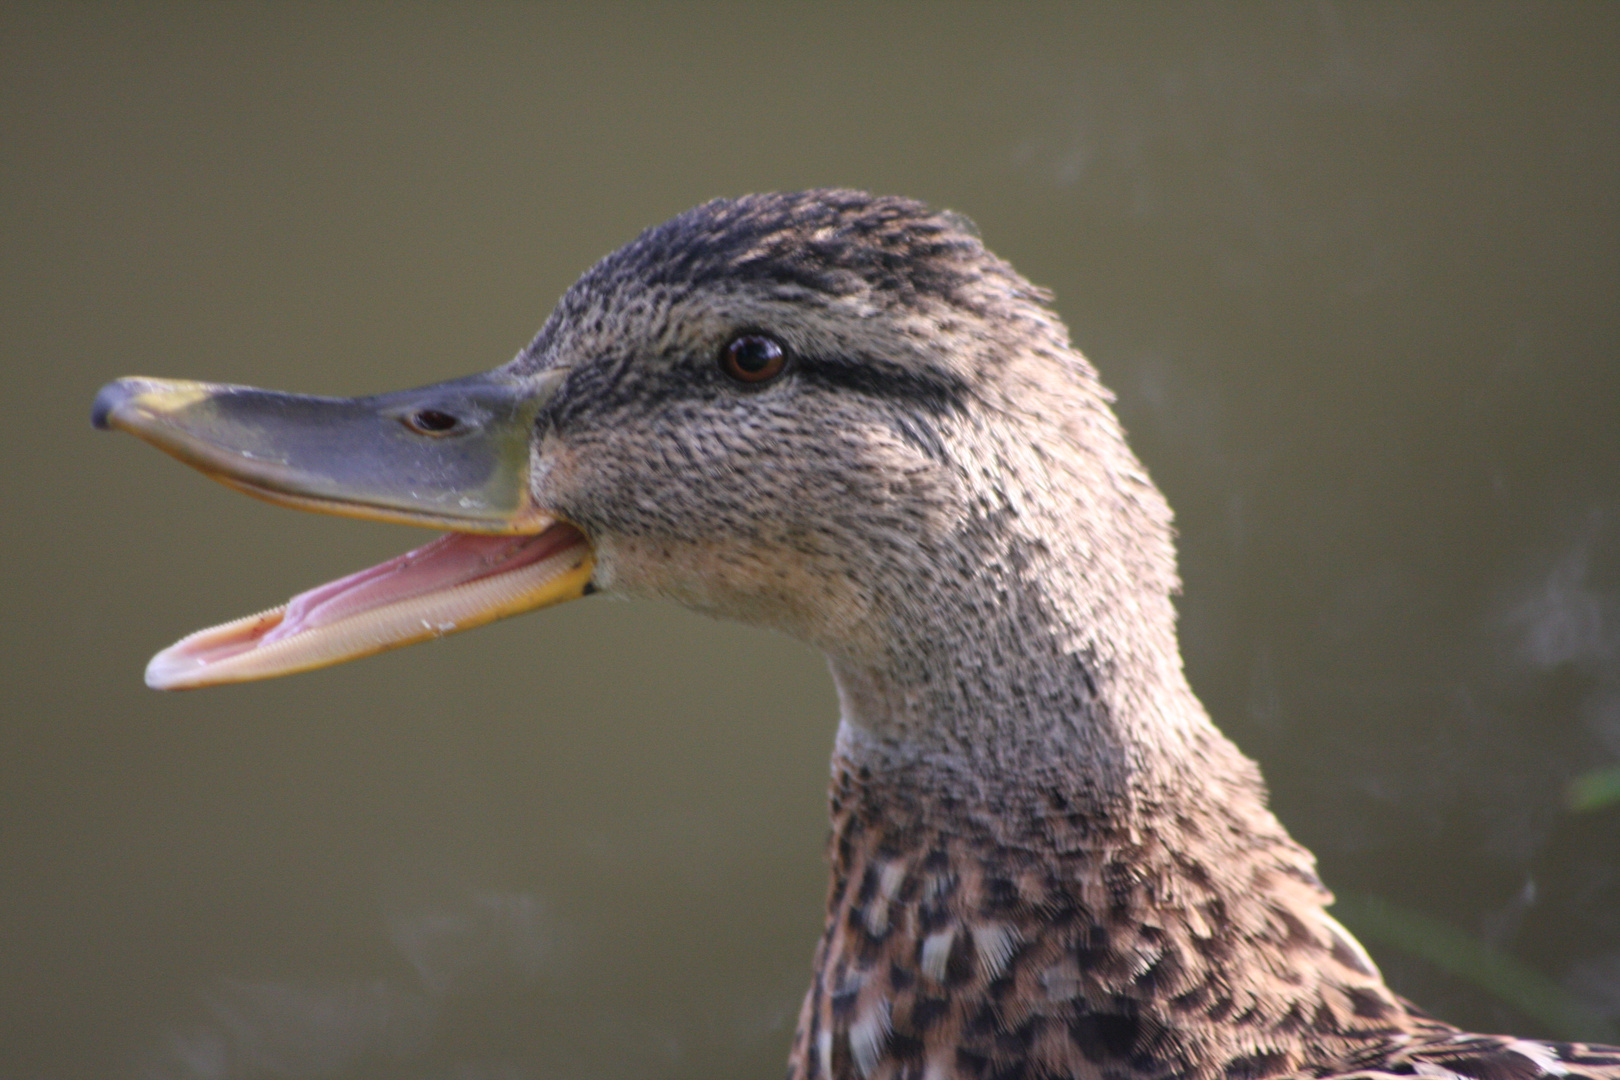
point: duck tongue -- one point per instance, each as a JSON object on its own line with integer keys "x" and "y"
{"x": 457, "y": 582}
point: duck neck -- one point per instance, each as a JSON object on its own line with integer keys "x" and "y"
{"x": 1030, "y": 672}
{"x": 1044, "y": 855}
{"x": 1016, "y": 677}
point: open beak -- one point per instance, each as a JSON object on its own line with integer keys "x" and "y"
{"x": 453, "y": 456}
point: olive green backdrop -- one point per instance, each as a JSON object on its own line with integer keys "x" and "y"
{"x": 1353, "y": 270}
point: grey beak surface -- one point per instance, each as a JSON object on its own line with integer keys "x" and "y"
{"x": 454, "y": 455}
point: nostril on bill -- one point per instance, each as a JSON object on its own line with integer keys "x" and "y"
{"x": 431, "y": 422}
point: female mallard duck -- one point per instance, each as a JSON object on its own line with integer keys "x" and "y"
{"x": 841, "y": 417}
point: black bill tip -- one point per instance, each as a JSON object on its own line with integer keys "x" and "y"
{"x": 108, "y": 398}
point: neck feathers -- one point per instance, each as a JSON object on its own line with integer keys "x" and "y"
{"x": 989, "y": 930}
{"x": 1046, "y": 861}
{"x": 1029, "y": 605}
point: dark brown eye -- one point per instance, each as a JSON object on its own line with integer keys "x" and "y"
{"x": 753, "y": 358}
{"x": 431, "y": 422}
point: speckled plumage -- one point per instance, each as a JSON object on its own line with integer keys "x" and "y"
{"x": 1046, "y": 861}
{"x": 1022, "y": 937}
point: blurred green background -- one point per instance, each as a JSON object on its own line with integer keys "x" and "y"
{"x": 1353, "y": 271}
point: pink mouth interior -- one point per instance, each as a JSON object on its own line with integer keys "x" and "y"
{"x": 458, "y": 581}
{"x": 451, "y": 560}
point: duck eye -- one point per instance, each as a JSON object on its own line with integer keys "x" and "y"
{"x": 753, "y": 358}
{"x": 431, "y": 422}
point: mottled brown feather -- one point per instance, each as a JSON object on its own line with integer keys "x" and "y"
{"x": 1046, "y": 861}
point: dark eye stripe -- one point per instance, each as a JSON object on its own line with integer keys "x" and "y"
{"x": 625, "y": 382}
{"x": 933, "y": 392}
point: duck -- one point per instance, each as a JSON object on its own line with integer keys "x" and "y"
{"x": 840, "y": 416}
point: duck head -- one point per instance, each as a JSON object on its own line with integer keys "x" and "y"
{"x": 826, "y": 413}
